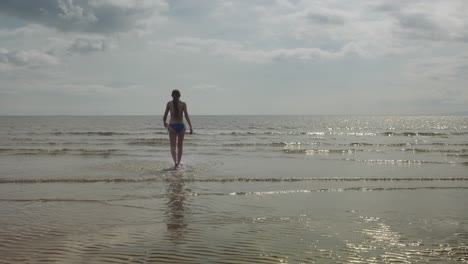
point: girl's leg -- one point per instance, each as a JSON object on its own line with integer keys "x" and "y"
{"x": 173, "y": 140}
{"x": 180, "y": 146}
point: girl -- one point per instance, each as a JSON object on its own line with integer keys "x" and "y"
{"x": 176, "y": 126}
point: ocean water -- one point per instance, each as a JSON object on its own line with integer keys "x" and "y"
{"x": 251, "y": 189}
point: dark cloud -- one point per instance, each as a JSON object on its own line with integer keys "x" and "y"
{"x": 389, "y": 7}
{"x": 419, "y": 25}
{"x": 96, "y": 16}
{"x": 418, "y": 21}
{"x": 324, "y": 19}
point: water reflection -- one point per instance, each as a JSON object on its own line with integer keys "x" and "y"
{"x": 175, "y": 215}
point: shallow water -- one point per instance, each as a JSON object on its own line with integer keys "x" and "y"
{"x": 274, "y": 189}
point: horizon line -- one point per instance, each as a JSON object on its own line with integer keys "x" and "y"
{"x": 103, "y": 115}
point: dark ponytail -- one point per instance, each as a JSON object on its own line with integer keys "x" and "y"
{"x": 175, "y": 97}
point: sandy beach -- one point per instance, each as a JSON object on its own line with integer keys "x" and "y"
{"x": 242, "y": 195}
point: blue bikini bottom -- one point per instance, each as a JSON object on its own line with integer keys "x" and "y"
{"x": 177, "y": 127}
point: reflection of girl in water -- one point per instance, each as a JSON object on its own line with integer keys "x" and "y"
{"x": 175, "y": 215}
{"x": 176, "y": 126}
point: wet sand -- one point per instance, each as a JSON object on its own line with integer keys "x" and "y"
{"x": 178, "y": 219}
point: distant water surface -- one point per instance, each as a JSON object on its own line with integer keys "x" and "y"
{"x": 252, "y": 189}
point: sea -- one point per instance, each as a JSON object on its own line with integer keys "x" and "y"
{"x": 250, "y": 189}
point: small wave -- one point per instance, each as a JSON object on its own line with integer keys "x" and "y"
{"x": 272, "y": 144}
{"x": 54, "y": 143}
{"x": 457, "y": 155}
{"x": 93, "y": 133}
{"x": 251, "y": 144}
{"x": 415, "y": 150}
{"x": 153, "y": 128}
{"x": 234, "y": 133}
{"x": 403, "y": 144}
{"x": 362, "y": 144}
{"x": 63, "y": 151}
{"x": 422, "y": 134}
{"x": 436, "y": 150}
{"x": 53, "y": 200}
{"x": 311, "y": 133}
{"x": 321, "y": 134}
{"x": 227, "y": 180}
{"x": 363, "y": 189}
{"x": 330, "y": 133}
{"x": 160, "y": 133}
{"x": 439, "y": 144}
{"x": 274, "y": 133}
{"x": 77, "y": 180}
{"x": 30, "y": 150}
{"x": 21, "y": 139}
{"x": 318, "y": 134}
{"x": 404, "y": 162}
{"x": 327, "y": 151}
{"x": 159, "y": 142}
{"x": 360, "y": 134}
{"x": 464, "y": 133}
{"x": 149, "y": 141}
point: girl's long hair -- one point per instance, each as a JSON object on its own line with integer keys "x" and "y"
{"x": 175, "y": 97}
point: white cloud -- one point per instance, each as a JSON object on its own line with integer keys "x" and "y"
{"x": 30, "y": 30}
{"x": 54, "y": 44}
{"x": 316, "y": 53}
{"x": 306, "y": 20}
{"x": 243, "y": 52}
{"x": 89, "y": 45}
{"x": 199, "y": 44}
{"x": 27, "y": 58}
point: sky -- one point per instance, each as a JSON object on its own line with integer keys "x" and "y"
{"x": 255, "y": 57}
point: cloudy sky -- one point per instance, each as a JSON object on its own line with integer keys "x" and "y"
{"x": 99, "y": 57}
